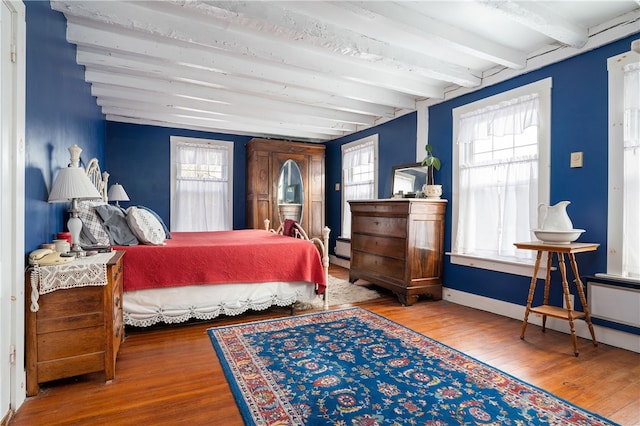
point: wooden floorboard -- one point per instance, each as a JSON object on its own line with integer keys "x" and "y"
{"x": 171, "y": 375}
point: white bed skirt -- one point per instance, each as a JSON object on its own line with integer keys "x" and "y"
{"x": 143, "y": 308}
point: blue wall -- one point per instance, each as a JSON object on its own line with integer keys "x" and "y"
{"x": 396, "y": 145}
{"x": 60, "y": 112}
{"x": 138, "y": 157}
{"x": 579, "y": 122}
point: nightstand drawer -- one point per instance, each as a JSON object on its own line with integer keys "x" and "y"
{"x": 58, "y": 345}
{"x": 56, "y": 306}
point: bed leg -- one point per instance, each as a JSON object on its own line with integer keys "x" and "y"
{"x": 325, "y": 264}
{"x": 293, "y": 309}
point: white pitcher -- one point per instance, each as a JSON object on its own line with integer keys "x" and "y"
{"x": 554, "y": 218}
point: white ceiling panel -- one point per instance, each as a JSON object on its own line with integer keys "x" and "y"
{"x": 314, "y": 70}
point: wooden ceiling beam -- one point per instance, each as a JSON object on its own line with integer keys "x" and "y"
{"x": 543, "y": 19}
{"x": 121, "y": 95}
{"x": 211, "y": 94}
{"x": 282, "y": 95}
{"x": 162, "y": 20}
{"x": 211, "y": 60}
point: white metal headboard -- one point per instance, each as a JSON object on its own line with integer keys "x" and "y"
{"x": 99, "y": 180}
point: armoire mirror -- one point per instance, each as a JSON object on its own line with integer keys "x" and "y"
{"x": 290, "y": 192}
{"x": 407, "y": 180}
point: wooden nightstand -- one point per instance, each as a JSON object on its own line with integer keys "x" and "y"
{"x": 75, "y": 330}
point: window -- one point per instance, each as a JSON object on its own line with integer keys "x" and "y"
{"x": 359, "y": 176}
{"x": 201, "y": 190}
{"x": 501, "y": 174}
{"x": 623, "y": 230}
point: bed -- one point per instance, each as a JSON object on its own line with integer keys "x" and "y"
{"x": 201, "y": 275}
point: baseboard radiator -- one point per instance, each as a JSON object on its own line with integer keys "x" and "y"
{"x": 343, "y": 248}
{"x": 614, "y": 301}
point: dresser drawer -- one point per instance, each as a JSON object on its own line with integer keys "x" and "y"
{"x": 380, "y": 265}
{"x": 383, "y": 226}
{"x": 384, "y": 208}
{"x": 389, "y": 247}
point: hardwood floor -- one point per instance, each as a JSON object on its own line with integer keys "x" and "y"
{"x": 171, "y": 375}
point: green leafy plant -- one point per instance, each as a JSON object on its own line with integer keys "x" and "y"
{"x": 432, "y": 162}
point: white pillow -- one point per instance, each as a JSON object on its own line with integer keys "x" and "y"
{"x": 146, "y": 227}
{"x": 91, "y": 223}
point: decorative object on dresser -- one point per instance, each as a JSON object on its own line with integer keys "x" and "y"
{"x": 117, "y": 193}
{"x": 430, "y": 189}
{"x": 73, "y": 320}
{"x": 72, "y": 184}
{"x": 399, "y": 244}
{"x": 285, "y": 180}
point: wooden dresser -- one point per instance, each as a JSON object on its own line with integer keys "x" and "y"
{"x": 399, "y": 244}
{"x": 75, "y": 331}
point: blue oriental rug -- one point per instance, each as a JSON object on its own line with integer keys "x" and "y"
{"x": 354, "y": 367}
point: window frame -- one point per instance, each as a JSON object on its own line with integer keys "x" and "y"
{"x": 344, "y": 147}
{"x": 543, "y": 89}
{"x": 615, "y": 68}
{"x": 174, "y": 141}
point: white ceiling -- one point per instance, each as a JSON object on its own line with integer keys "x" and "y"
{"x": 315, "y": 70}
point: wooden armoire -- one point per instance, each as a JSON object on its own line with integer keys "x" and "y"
{"x": 265, "y": 161}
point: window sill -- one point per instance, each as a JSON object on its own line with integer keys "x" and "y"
{"x": 509, "y": 267}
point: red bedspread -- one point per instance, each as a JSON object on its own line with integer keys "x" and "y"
{"x": 241, "y": 256}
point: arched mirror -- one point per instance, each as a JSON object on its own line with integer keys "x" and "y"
{"x": 290, "y": 192}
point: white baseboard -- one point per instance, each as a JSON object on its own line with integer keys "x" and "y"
{"x": 605, "y": 335}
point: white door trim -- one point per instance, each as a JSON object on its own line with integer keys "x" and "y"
{"x": 12, "y": 170}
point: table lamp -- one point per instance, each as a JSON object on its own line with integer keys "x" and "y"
{"x": 117, "y": 193}
{"x": 73, "y": 184}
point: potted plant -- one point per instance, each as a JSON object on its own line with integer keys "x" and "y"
{"x": 430, "y": 189}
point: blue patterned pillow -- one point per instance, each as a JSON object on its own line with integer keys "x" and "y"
{"x": 92, "y": 224}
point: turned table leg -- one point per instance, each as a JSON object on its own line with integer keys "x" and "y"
{"x": 567, "y": 301}
{"x": 583, "y": 299}
{"x": 532, "y": 289}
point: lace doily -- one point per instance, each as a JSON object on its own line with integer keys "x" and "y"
{"x": 82, "y": 272}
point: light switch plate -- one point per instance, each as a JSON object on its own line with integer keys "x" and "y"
{"x": 576, "y": 159}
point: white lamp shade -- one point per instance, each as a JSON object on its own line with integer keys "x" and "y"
{"x": 72, "y": 182}
{"x": 117, "y": 193}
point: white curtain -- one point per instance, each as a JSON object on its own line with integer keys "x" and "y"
{"x": 357, "y": 179}
{"x": 498, "y": 179}
{"x": 202, "y": 182}
{"x": 631, "y": 186}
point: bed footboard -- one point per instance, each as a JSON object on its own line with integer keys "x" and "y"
{"x": 321, "y": 244}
